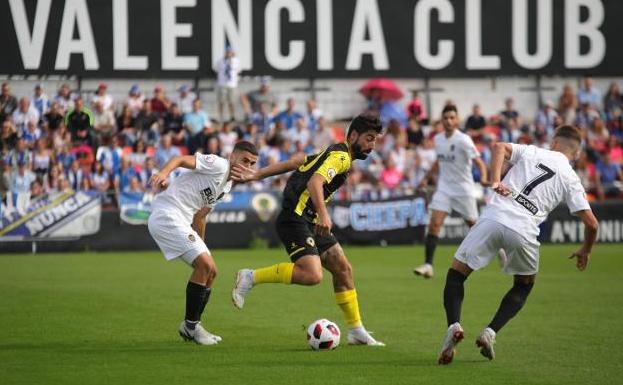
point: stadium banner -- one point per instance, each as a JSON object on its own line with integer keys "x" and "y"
{"x": 62, "y": 215}
{"x": 389, "y": 221}
{"x": 311, "y": 38}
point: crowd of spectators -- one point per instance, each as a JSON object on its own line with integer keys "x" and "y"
{"x": 75, "y": 141}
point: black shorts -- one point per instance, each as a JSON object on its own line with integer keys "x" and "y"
{"x": 297, "y": 235}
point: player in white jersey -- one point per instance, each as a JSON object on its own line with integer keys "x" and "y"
{"x": 177, "y": 223}
{"x": 456, "y": 153}
{"x": 537, "y": 182}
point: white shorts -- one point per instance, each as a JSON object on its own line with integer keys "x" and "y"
{"x": 175, "y": 238}
{"x": 487, "y": 237}
{"x": 464, "y": 205}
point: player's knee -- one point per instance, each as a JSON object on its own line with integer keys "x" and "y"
{"x": 314, "y": 276}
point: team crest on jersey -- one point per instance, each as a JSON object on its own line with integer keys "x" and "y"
{"x": 310, "y": 241}
{"x": 331, "y": 173}
{"x": 191, "y": 237}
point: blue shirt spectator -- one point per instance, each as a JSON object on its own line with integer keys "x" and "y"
{"x": 196, "y": 120}
{"x": 589, "y": 94}
{"x": 166, "y": 151}
{"x": 288, "y": 116}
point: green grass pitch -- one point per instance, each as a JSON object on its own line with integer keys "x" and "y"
{"x": 111, "y": 318}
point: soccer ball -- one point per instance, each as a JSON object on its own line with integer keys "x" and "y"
{"x": 323, "y": 334}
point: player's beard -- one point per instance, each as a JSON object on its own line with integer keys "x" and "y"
{"x": 358, "y": 153}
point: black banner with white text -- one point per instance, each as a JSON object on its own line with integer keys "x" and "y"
{"x": 311, "y": 38}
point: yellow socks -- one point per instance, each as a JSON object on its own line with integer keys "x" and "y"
{"x": 347, "y": 301}
{"x": 279, "y": 273}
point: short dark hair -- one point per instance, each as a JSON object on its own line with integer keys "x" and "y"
{"x": 569, "y": 132}
{"x": 364, "y": 123}
{"x": 448, "y": 108}
{"x": 243, "y": 145}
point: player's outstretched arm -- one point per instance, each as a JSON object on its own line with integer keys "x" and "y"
{"x": 484, "y": 180}
{"x": 244, "y": 174}
{"x": 501, "y": 152}
{"x": 160, "y": 179}
{"x": 591, "y": 226}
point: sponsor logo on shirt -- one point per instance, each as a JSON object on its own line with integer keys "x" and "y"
{"x": 527, "y": 204}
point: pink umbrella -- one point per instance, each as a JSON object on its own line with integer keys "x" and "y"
{"x": 381, "y": 89}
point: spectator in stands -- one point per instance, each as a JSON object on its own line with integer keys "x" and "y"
{"x": 64, "y": 98}
{"x": 8, "y": 102}
{"x": 567, "y": 104}
{"x": 103, "y": 121}
{"x": 40, "y": 100}
{"x": 475, "y": 122}
{"x": 615, "y": 151}
{"x": 174, "y": 125}
{"x": 21, "y": 180}
{"x": 227, "y": 71}
{"x": 323, "y": 137}
{"x": 263, "y": 119}
{"x": 213, "y": 146}
{"x": 509, "y": 111}
{"x": 228, "y": 138}
{"x": 425, "y": 157}
{"x": 52, "y": 180}
{"x": 20, "y": 153}
{"x": 289, "y": 116}
{"x": 103, "y": 98}
{"x": 32, "y": 133}
{"x": 612, "y": 100}
{"x": 134, "y": 101}
{"x": 588, "y": 93}
{"x": 79, "y": 122}
{"x": 84, "y": 154}
{"x": 199, "y": 142}
{"x": 608, "y": 178}
{"x": 85, "y": 185}
{"x": 64, "y": 186}
{"x": 146, "y": 124}
{"x": 415, "y": 136}
{"x": 8, "y": 138}
{"x": 197, "y": 119}
{"x": 25, "y": 113}
{"x": 36, "y": 190}
{"x": 166, "y": 151}
{"x": 398, "y": 153}
{"x": 415, "y": 108}
{"x": 100, "y": 179}
{"x": 160, "y": 103}
{"x": 64, "y": 157}
{"x": 146, "y": 173}
{"x": 597, "y": 135}
{"x": 251, "y": 101}
{"x": 135, "y": 186}
{"x": 109, "y": 154}
{"x": 390, "y": 175}
{"x": 41, "y": 158}
{"x": 546, "y": 118}
{"x": 61, "y": 136}
{"x": 138, "y": 155}
{"x": 185, "y": 99}
{"x": 54, "y": 117}
{"x": 585, "y": 116}
{"x": 126, "y": 173}
{"x": 75, "y": 175}
{"x": 312, "y": 114}
{"x": 126, "y": 123}
{"x": 299, "y": 133}
{"x": 250, "y": 133}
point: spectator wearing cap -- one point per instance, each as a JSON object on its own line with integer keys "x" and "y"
{"x": 567, "y": 104}
{"x": 185, "y": 99}
{"x": 546, "y": 118}
{"x": 79, "y": 122}
{"x": 134, "y": 101}
{"x": 64, "y": 98}
{"x": 40, "y": 100}
{"x": 102, "y": 97}
{"x": 8, "y": 102}
{"x": 160, "y": 103}
{"x": 21, "y": 180}
{"x": 227, "y": 71}
{"x": 289, "y": 116}
{"x": 24, "y": 114}
{"x": 588, "y": 93}
{"x": 251, "y": 101}
{"x": 197, "y": 119}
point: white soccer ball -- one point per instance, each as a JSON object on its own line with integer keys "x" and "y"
{"x": 323, "y": 334}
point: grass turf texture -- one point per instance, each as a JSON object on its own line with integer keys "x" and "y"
{"x": 111, "y": 318}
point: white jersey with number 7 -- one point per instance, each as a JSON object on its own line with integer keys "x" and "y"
{"x": 539, "y": 180}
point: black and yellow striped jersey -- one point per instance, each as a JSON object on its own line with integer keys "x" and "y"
{"x": 333, "y": 164}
